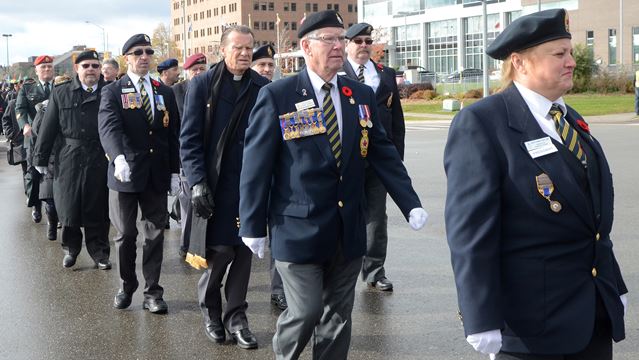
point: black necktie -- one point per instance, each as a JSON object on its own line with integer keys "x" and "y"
{"x": 47, "y": 90}
{"x": 330, "y": 118}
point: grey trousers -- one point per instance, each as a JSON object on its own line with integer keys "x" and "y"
{"x": 123, "y": 211}
{"x": 186, "y": 211}
{"x": 376, "y": 228}
{"x": 320, "y": 302}
{"x": 238, "y": 261}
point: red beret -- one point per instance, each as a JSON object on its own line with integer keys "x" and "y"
{"x": 43, "y": 59}
{"x": 194, "y": 59}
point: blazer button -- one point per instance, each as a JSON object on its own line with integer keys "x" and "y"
{"x": 151, "y": 151}
{"x": 594, "y": 272}
{"x": 340, "y": 203}
{"x": 597, "y": 237}
{"x": 150, "y": 132}
{"x": 340, "y": 178}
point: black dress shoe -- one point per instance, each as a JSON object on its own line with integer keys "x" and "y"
{"x": 182, "y": 253}
{"x": 36, "y": 215}
{"x": 68, "y": 261}
{"x": 103, "y": 264}
{"x": 215, "y": 331}
{"x": 244, "y": 339}
{"x": 122, "y": 300}
{"x": 382, "y": 284}
{"x": 279, "y": 300}
{"x": 155, "y": 306}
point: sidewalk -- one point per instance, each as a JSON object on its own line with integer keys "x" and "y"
{"x": 428, "y": 118}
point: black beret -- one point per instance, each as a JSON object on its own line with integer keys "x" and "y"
{"x": 265, "y": 51}
{"x": 167, "y": 64}
{"x": 359, "y": 29}
{"x": 530, "y": 30}
{"x": 318, "y": 20}
{"x": 87, "y": 55}
{"x": 136, "y": 40}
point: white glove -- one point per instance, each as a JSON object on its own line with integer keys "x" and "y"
{"x": 122, "y": 171}
{"x": 417, "y": 218}
{"x": 624, "y": 301}
{"x": 487, "y": 342}
{"x": 256, "y": 245}
{"x": 43, "y": 170}
{"x": 175, "y": 185}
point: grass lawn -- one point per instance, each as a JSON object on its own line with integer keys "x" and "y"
{"x": 585, "y": 104}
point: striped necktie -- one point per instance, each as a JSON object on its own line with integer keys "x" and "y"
{"x": 360, "y": 76}
{"x": 567, "y": 133}
{"x": 330, "y": 119}
{"x": 90, "y": 90}
{"x": 146, "y": 103}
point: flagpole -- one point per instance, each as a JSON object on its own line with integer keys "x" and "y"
{"x": 183, "y": 34}
{"x": 277, "y": 29}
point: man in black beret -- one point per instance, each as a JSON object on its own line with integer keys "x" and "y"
{"x": 381, "y": 79}
{"x": 138, "y": 125}
{"x": 306, "y": 146}
{"x": 529, "y": 209}
{"x": 80, "y": 191}
{"x": 169, "y": 71}
{"x": 263, "y": 61}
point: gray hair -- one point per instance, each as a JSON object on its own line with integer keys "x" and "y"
{"x": 242, "y": 29}
{"x": 112, "y": 62}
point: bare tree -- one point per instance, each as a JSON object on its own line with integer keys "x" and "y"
{"x": 164, "y": 46}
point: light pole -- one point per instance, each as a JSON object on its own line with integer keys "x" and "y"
{"x": 104, "y": 34}
{"x": 7, "y": 36}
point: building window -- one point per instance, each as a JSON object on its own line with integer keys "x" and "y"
{"x": 271, "y": 25}
{"x": 287, "y": 6}
{"x": 293, "y": 25}
{"x": 308, "y": 7}
{"x": 263, "y": 6}
{"x": 209, "y": 31}
{"x": 408, "y": 44}
{"x": 201, "y": 15}
{"x": 336, "y": 7}
{"x": 315, "y": 7}
{"x": 223, "y": 9}
{"x": 208, "y": 13}
{"x": 215, "y": 12}
{"x": 202, "y": 32}
{"x": 350, "y": 7}
{"x": 256, "y": 5}
{"x": 635, "y": 45}
{"x": 612, "y": 46}
{"x": 264, "y": 25}
{"x": 195, "y": 17}
{"x": 590, "y": 41}
{"x": 329, "y": 6}
{"x": 271, "y": 6}
{"x": 256, "y": 25}
{"x": 474, "y": 46}
{"x": 442, "y": 46}
{"x": 293, "y": 6}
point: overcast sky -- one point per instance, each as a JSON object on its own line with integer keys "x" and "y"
{"x": 52, "y": 27}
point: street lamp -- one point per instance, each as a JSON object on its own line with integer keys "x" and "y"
{"x": 7, "y": 36}
{"x": 104, "y": 34}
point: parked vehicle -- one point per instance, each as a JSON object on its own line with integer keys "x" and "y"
{"x": 467, "y": 75}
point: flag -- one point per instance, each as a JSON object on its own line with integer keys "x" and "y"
{"x": 277, "y": 21}
{"x": 304, "y": 18}
{"x": 497, "y": 25}
{"x": 190, "y": 27}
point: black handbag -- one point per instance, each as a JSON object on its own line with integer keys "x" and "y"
{"x": 16, "y": 154}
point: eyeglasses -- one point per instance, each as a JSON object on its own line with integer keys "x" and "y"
{"x": 360, "y": 41}
{"x": 139, "y": 52}
{"x": 329, "y": 39}
{"x": 86, "y": 66}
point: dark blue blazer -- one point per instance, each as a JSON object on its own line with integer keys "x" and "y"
{"x": 390, "y": 112}
{"x": 518, "y": 265}
{"x": 295, "y": 186}
{"x": 151, "y": 150}
{"x": 222, "y": 228}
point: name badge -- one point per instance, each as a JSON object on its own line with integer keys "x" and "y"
{"x": 306, "y": 104}
{"x": 540, "y": 147}
{"x": 128, "y": 90}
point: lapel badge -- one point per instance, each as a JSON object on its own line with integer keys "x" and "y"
{"x": 545, "y": 188}
{"x": 304, "y": 92}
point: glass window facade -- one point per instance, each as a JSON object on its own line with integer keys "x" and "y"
{"x": 442, "y": 46}
{"x": 635, "y": 45}
{"x": 474, "y": 44}
{"x": 612, "y": 46}
{"x": 590, "y": 41}
{"x": 408, "y": 46}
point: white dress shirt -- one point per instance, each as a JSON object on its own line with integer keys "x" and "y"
{"x": 317, "y": 83}
{"x": 540, "y": 106}
{"x": 371, "y": 77}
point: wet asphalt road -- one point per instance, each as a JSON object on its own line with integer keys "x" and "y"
{"x": 48, "y": 312}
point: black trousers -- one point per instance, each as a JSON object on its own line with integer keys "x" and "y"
{"x": 237, "y": 259}
{"x": 123, "y": 211}
{"x": 95, "y": 237}
{"x": 599, "y": 347}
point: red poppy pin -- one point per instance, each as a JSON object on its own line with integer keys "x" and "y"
{"x": 584, "y": 125}
{"x": 155, "y": 82}
{"x": 347, "y": 91}
{"x": 380, "y": 67}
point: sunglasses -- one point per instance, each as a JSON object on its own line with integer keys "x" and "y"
{"x": 139, "y": 52}
{"x": 360, "y": 41}
{"x": 86, "y": 66}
